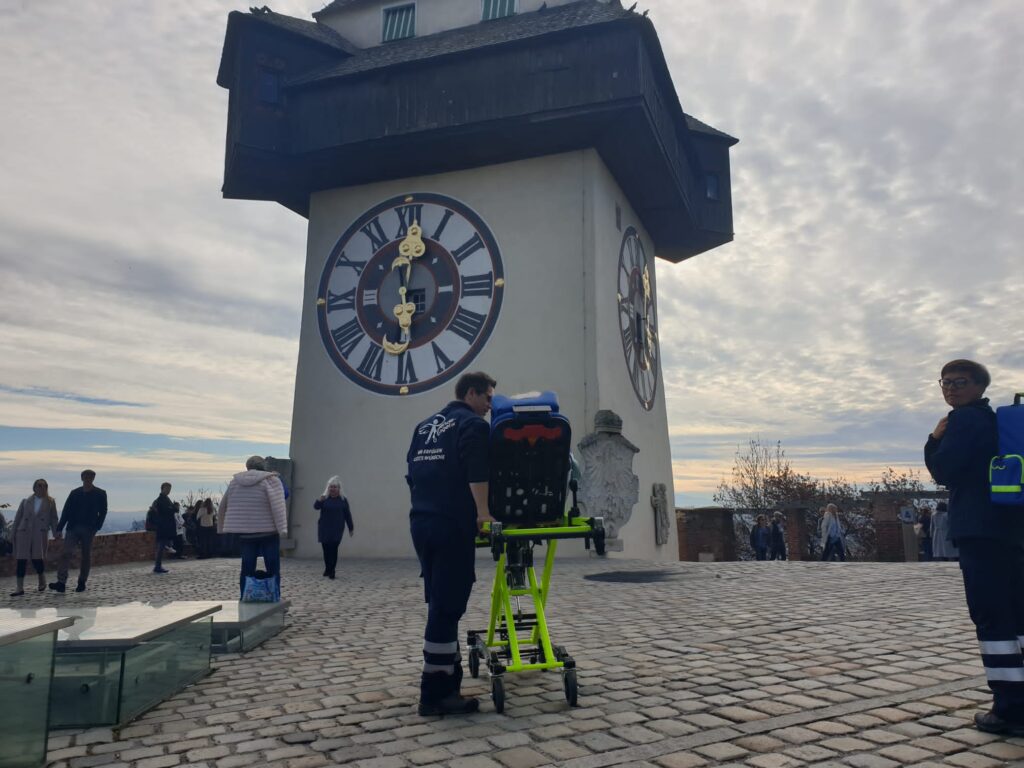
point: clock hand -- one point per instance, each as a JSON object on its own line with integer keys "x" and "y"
{"x": 411, "y": 247}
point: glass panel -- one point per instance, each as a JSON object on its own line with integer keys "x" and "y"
{"x": 260, "y": 631}
{"x": 496, "y": 9}
{"x": 85, "y": 689}
{"x": 25, "y": 670}
{"x": 157, "y": 669}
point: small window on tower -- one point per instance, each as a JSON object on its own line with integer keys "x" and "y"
{"x": 711, "y": 186}
{"x": 269, "y": 86}
{"x": 399, "y": 22}
{"x": 418, "y": 296}
{"x": 496, "y": 9}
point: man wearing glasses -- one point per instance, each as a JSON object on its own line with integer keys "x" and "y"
{"x": 991, "y": 539}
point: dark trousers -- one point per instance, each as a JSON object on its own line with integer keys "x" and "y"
{"x": 330, "y": 549}
{"x": 161, "y": 544}
{"x": 993, "y": 572}
{"x": 447, "y": 555}
{"x": 269, "y": 547}
{"x": 834, "y": 548}
{"x": 82, "y": 539}
{"x": 778, "y": 553}
{"x": 22, "y": 565}
{"x": 761, "y": 553}
{"x": 206, "y": 536}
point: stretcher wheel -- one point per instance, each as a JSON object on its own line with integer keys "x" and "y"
{"x": 474, "y": 663}
{"x": 571, "y": 690}
{"x": 498, "y": 694}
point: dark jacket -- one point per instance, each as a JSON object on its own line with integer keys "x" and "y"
{"x": 334, "y": 515}
{"x": 959, "y": 461}
{"x": 84, "y": 510}
{"x": 759, "y": 537}
{"x": 447, "y": 453}
{"x": 778, "y": 538}
{"x": 164, "y": 523}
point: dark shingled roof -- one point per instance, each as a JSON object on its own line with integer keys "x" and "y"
{"x": 481, "y": 35}
{"x": 337, "y": 5}
{"x": 319, "y": 33}
{"x": 698, "y": 127}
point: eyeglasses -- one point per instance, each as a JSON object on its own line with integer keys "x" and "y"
{"x": 954, "y": 383}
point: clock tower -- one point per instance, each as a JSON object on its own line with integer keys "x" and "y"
{"x": 487, "y": 184}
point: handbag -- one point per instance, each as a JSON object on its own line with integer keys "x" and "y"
{"x": 261, "y": 589}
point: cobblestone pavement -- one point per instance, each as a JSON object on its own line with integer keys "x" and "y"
{"x": 755, "y": 664}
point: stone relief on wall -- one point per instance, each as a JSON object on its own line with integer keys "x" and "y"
{"x": 659, "y": 501}
{"x": 609, "y": 489}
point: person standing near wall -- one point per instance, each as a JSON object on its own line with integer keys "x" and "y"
{"x": 777, "y": 551}
{"x": 760, "y": 538}
{"x": 36, "y": 517}
{"x": 990, "y": 540}
{"x": 165, "y": 514}
{"x": 942, "y": 546}
{"x": 206, "y": 528}
{"x": 85, "y": 510}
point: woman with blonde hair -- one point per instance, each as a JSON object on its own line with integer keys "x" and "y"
{"x": 335, "y": 514}
{"x": 37, "y": 516}
{"x": 832, "y": 534}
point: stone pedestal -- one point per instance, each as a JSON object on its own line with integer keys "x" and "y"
{"x": 609, "y": 489}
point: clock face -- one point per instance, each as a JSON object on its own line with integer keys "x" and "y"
{"x": 638, "y": 321}
{"x": 410, "y": 294}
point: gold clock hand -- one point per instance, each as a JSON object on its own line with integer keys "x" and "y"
{"x": 411, "y": 247}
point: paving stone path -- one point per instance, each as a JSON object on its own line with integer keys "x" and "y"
{"x": 721, "y": 664}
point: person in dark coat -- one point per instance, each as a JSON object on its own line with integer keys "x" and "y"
{"x": 335, "y": 514}
{"x": 448, "y": 476}
{"x": 760, "y": 537}
{"x": 777, "y": 551}
{"x": 990, "y": 540}
{"x": 165, "y": 525}
{"x": 84, "y": 512}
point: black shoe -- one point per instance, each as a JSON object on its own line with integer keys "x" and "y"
{"x": 990, "y": 722}
{"x": 330, "y": 575}
{"x": 57, "y": 586}
{"x": 80, "y": 587}
{"x": 453, "y": 704}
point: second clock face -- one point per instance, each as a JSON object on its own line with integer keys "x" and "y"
{"x": 638, "y": 320}
{"x": 410, "y": 294}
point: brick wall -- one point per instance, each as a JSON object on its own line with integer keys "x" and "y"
{"x": 107, "y": 549}
{"x": 706, "y": 531}
{"x": 797, "y": 534}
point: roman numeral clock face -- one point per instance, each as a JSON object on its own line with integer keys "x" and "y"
{"x": 638, "y": 319}
{"x": 410, "y": 294}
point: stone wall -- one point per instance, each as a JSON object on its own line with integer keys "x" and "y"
{"x": 107, "y": 549}
{"x": 706, "y": 533}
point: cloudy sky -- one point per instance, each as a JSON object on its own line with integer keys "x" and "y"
{"x": 149, "y": 329}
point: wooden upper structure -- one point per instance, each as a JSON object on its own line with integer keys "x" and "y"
{"x": 310, "y": 111}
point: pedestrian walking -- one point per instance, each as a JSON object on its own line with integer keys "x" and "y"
{"x": 335, "y": 515}
{"x": 84, "y": 512}
{"x": 164, "y": 513}
{"x": 831, "y": 532}
{"x": 35, "y": 519}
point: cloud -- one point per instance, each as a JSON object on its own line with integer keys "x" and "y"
{"x": 878, "y": 209}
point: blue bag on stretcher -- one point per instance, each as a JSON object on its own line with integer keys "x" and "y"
{"x": 1006, "y": 471}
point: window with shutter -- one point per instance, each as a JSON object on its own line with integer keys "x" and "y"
{"x": 399, "y": 22}
{"x": 495, "y": 9}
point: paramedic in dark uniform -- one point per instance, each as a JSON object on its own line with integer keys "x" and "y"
{"x": 957, "y": 454}
{"x": 447, "y": 478}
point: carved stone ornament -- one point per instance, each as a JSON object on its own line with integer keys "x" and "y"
{"x": 609, "y": 489}
{"x": 659, "y": 501}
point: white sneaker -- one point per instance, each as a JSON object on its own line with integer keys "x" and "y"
{"x": 170, "y": 550}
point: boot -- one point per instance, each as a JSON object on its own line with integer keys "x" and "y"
{"x": 42, "y": 581}
{"x": 21, "y": 587}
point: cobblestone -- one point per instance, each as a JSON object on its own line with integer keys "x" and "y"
{"x": 891, "y": 678}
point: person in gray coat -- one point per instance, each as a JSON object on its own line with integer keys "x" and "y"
{"x": 36, "y": 518}
{"x": 942, "y": 545}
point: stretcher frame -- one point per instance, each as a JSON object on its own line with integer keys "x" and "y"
{"x": 517, "y": 641}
